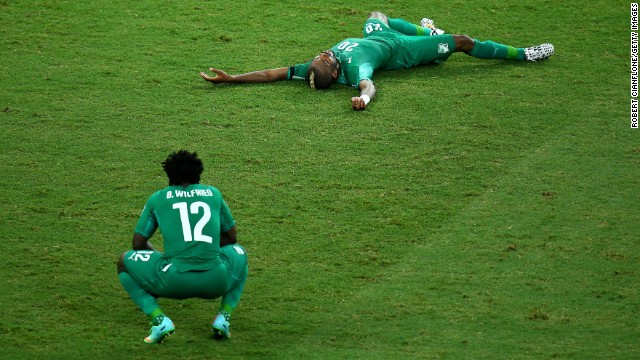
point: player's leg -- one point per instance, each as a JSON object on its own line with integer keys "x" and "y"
{"x": 376, "y": 22}
{"x": 420, "y": 50}
{"x": 487, "y": 49}
{"x": 426, "y": 27}
{"x": 380, "y": 16}
{"x": 235, "y": 256}
{"x": 492, "y": 50}
{"x": 429, "y": 24}
{"x": 228, "y": 304}
{"x": 400, "y": 25}
{"x": 137, "y": 274}
{"x": 408, "y": 28}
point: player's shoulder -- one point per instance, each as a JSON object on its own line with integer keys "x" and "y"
{"x": 210, "y": 190}
{"x": 298, "y": 71}
{"x": 158, "y": 193}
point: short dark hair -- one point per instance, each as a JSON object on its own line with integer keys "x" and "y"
{"x": 319, "y": 78}
{"x": 183, "y": 167}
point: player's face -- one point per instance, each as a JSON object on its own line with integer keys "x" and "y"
{"x": 326, "y": 59}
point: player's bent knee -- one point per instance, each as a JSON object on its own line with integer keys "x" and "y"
{"x": 378, "y": 15}
{"x": 120, "y": 266}
{"x": 463, "y": 43}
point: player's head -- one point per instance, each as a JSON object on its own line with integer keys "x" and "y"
{"x": 183, "y": 168}
{"x": 323, "y": 70}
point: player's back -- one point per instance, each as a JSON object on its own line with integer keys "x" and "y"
{"x": 189, "y": 220}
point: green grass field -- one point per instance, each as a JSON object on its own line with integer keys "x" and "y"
{"x": 478, "y": 209}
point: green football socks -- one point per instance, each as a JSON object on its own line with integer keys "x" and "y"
{"x": 157, "y": 316}
{"x": 493, "y": 50}
{"x": 143, "y": 299}
{"x": 226, "y": 311}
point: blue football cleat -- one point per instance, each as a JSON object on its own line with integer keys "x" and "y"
{"x": 220, "y": 327}
{"x": 159, "y": 332}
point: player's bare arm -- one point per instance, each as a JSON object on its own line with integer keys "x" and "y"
{"x": 367, "y": 92}
{"x": 229, "y": 237}
{"x": 261, "y": 76}
{"x": 141, "y": 243}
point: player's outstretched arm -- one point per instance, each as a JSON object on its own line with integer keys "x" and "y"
{"x": 367, "y": 92}
{"x": 260, "y": 76}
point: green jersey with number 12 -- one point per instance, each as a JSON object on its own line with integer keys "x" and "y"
{"x": 190, "y": 220}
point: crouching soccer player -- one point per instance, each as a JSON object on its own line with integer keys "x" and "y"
{"x": 201, "y": 258}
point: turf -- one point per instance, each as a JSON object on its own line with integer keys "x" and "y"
{"x": 476, "y": 209}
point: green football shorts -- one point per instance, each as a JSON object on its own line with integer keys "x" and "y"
{"x": 160, "y": 277}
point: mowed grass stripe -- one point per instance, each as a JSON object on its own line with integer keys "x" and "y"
{"x": 501, "y": 262}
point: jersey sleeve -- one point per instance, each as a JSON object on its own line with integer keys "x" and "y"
{"x": 226, "y": 219}
{"x": 358, "y": 73}
{"x": 147, "y": 223}
{"x": 365, "y": 72}
{"x": 298, "y": 72}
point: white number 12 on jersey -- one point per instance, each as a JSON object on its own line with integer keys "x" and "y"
{"x": 186, "y": 224}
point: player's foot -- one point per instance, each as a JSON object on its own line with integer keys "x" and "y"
{"x": 160, "y": 331}
{"x": 220, "y": 327}
{"x": 428, "y": 24}
{"x": 539, "y": 52}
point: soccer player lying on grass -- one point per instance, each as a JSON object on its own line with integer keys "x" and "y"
{"x": 201, "y": 258}
{"x": 388, "y": 44}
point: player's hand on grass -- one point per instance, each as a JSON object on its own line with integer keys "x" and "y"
{"x": 358, "y": 103}
{"x": 219, "y": 77}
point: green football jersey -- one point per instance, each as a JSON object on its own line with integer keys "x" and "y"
{"x": 358, "y": 57}
{"x": 190, "y": 220}
{"x": 382, "y": 48}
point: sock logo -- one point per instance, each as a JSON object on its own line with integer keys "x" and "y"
{"x": 443, "y": 48}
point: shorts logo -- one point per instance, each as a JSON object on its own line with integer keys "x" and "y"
{"x": 164, "y": 269}
{"x": 443, "y": 48}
